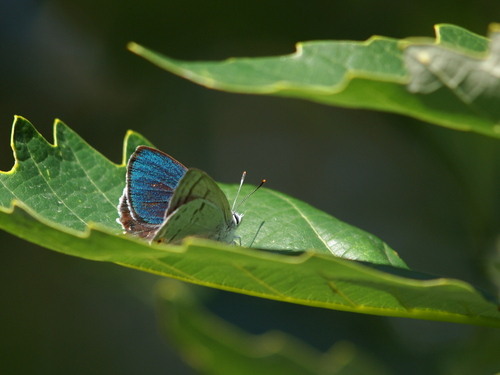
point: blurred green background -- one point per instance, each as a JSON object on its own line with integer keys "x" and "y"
{"x": 429, "y": 192}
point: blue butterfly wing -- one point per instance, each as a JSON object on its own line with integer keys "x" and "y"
{"x": 152, "y": 177}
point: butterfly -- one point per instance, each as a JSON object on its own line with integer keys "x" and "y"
{"x": 163, "y": 201}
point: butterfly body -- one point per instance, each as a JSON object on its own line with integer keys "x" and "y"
{"x": 163, "y": 201}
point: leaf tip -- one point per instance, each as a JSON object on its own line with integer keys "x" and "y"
{"x": 19, "y": 118}
{"x": 131, "y": 141}
{"x": 134, "y": 47}
{"x": 22, "y": 131}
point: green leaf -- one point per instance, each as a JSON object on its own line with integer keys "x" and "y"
{"x": 214, "y": 346}
{"x": 410, "y": 77}
{"x": 73, "y": 187}
{"x": 64, "y": 197}
{"x": 276, "y": 221}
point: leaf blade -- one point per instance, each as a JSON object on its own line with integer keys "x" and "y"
{"x": 308, "y": 278}
{"x": 373, "y": 75}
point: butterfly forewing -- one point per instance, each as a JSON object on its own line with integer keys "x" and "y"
{"x": 152, "y": 177}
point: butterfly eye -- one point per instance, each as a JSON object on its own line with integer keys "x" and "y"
{"x": 237, "y": 218}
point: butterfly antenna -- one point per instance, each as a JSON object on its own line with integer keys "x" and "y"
{"x": 239, "y": 189}
{"x": 248, "y": 196}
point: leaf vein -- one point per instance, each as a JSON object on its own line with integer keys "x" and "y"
{"x": 337, "y": 291}
{"x": 305, "y": 218}
{"x": 259, "y": 280}
{"x": 177, "y": 270}
{"x": 59, "y": 198}
{"x": 91, "y": 180}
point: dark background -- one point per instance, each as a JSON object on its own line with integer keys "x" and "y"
{"x": 429, "y": 192}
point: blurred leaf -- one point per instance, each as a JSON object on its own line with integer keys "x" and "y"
{"x": 450, "y": 82}
{"x": 64, "y": 198}
{"x": 214, "y": 346}
{"x": 478, "y": 354}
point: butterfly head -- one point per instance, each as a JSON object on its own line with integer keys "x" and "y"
{"x": 237, "y": 218}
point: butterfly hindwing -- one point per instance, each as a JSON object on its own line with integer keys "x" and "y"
{"x": 196, "y": 184}
{"x": 198, "y": 207}
{"x": 131, "y": 225}
{"x": 198, "y": 218}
